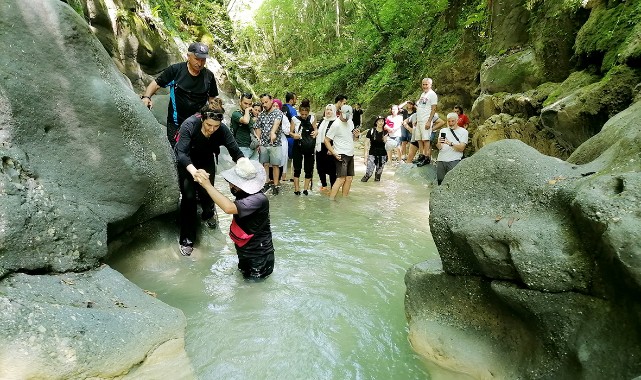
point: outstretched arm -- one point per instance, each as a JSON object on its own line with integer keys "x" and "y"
{"x": 219, "y": 199}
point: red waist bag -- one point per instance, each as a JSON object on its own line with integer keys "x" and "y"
{"x": 237, "y": 235}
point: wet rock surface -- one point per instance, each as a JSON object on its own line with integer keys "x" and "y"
{"x": 541, "y": 268}
{"x": 80, "y": 159}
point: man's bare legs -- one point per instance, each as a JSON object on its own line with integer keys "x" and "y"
{"x": 337, "y": 185}
{"x": 347, "y": 185}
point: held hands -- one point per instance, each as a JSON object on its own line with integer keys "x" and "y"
{"x": 202, "y": 178}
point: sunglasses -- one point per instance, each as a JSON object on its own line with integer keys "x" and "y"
{"x": 213, "y": 115}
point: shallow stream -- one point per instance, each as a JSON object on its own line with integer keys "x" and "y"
{"x": 332, "y": 309}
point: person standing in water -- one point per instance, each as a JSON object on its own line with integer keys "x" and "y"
{"x": 250, "y": 229}
{"x": 324, "y": 160}
{"x": 377, "y": 157}
{"x": 342, "y": 135}
{"x": 303, "y": 130}
{"x": 198, "y": 145}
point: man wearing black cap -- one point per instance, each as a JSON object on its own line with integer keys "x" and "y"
{"x": 191, "y": 86}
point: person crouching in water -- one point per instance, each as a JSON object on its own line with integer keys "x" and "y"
{"x": 250, "y": 228}
{"x": 377, "y": 157}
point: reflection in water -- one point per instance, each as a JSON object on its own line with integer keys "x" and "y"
{"x": 332, "y": 309}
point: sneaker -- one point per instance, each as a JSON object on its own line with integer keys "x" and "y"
{"x": 418, "y": 159}
{"x": 266, "y": 187}
{"x": 305, "y": 192}
{"x": 296, "y": 192}
{"x": 275, "y": 190}
{"x": 364, "y": 179}
{"x": 186, "y": 250}
{"x": 423, "y": 163}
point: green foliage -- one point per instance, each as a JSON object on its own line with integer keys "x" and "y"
{"x": 608, "y": 32}
{"x": 361, "y": 49}
{"x": 195, "y": 20}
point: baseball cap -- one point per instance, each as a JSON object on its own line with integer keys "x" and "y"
{"x": 346, "y": 112}
{"x": 199, "y": 49}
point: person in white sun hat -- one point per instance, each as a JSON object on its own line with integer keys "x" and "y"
{"x": 250, "y": 229}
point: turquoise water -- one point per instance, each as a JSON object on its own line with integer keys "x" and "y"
{"x": 332, "y": 309}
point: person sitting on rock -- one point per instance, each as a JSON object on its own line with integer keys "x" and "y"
{"x": 451, "y": 144}
{"x": 250, "y": 229}
{"x": 198, "y": 145}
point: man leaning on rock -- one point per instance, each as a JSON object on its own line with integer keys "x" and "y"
{"x": 191, "y": 86}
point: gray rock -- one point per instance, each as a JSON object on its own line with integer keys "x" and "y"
{"x": 541, "y": 268}
{"x": 80, "y": 153}
{"x": 486, "y": 329}
{"x": 94, "y": 324}
{"x": 484, "y": 106}
{"x": 579, "y": 115}
{"x": 513, "y": 72}
{"x": 504, "y": 126}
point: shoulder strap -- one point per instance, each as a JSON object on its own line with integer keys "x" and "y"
{"x": 454, "y": 134}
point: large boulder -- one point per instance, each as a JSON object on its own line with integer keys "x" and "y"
{"x": 611, "y": 35}
{"x": 579, "y": 115}
{"x": 541, "y": 259}
{"x": 137, "y": 41}
{"x": 80, "y": 158}
{"x": 80, "y": 153}
{"x": 94, "y": 325}
{"x": 529, "y": 131}
{"x": 514, "y": 71}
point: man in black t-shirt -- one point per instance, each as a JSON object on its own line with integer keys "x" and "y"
{"x": 190, "y": 84}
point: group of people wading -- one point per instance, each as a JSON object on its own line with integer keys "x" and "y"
{"x": 264, "y": 136}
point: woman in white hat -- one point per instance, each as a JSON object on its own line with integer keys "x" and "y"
{"x": 250, "y": 229}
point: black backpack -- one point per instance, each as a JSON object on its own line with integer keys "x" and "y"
{"x": 307, "y": 143}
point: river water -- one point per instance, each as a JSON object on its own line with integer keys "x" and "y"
{"x": 332, "y": 309}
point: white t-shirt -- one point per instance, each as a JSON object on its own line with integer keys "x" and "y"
{"x": 424, "y": 106}
{"x": 341, "y": 134}
{"x": 447, "y": 153}
{"x": 397, "y": 121}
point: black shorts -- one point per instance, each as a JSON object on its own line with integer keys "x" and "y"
{"x": 345, "y": 166}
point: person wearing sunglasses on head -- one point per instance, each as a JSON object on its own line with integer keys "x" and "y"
{"x": 197, "y": 148}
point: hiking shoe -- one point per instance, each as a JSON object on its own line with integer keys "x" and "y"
{"x": 186, "y": 250}
{"x": 305, "y": 192}
{"x": 364, "y": 179}
{"x": 275, "y": 190}
{"x": 423, "y": 163}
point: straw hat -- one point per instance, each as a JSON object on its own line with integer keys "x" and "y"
{"x": 247, "y": 175}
